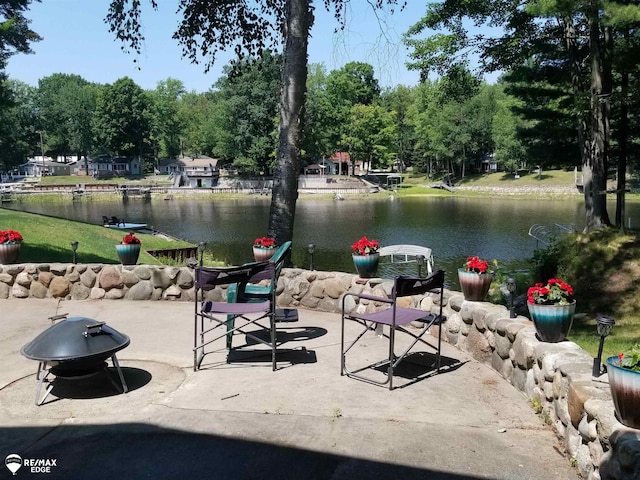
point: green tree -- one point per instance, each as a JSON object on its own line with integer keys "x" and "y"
{"x": 18, "y": 124}
{"x": 66, "y": 105}
{"x": 370, "y": 135}
{"x": 166, "y": 122}
{"x": 249, "y": 91}
{"x": 122, "y": 119}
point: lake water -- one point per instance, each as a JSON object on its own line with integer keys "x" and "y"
{"x": 454, "y": 227}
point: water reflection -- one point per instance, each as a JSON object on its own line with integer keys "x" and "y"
{"x": 493, "y": 228}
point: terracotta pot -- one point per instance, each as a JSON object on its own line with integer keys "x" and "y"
{"x": 128, "y": 254}
{"x": 263, "y": 254}
{"x": 366, "y": 265}
{"x": 475, "y": 286}
{"x": 9, "y": 253}
{"x": 625, "y": 392}
{"x": 552, "y": 322}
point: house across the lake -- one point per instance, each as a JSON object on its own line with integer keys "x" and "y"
{"x": 196, "y": 172}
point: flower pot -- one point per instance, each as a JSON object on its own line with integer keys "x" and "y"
{"x": 366, "y": 265}
{"x": 475, "y": 286}
{"x": 552, "y": 322}
{"x": 128, "y": 254}
{"x": 263, "y": 254}
{"x": 9, "y": 253}
{"x": 625, "y": 392}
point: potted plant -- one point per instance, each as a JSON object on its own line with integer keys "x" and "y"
{"x": 475, "y": 278}
{"x": 264, "y": 248}
{"x": 551, "y": 307}
{"x": 10, "y": 243}
{"x": 366, "y": 256}
{"x": 129, "y": 250}
{"x": 623, "y": 371}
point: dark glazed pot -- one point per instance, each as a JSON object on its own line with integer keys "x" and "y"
{"x": 475, "y": 286}
{"x": 9, "y": 253}
{"x": 128, "y": 254}
{"x": 625, "y": 392}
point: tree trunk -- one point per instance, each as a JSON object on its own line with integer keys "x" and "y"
{"x": 294, "y": 77}
{"x": 596, "y": 189}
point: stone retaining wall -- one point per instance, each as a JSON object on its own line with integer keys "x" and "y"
{"x": 556, "y": 377}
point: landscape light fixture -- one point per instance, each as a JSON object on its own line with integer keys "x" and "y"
{"x": 74, "y": 249}
{"x": 201, "y": 247}
{"x": 511, "y": 288}
{"x": 311, "y": 248}
{"x": 605, "y": 325}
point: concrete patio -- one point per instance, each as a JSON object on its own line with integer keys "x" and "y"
{"x": 241, "y": 420}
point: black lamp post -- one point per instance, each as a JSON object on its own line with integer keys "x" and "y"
{"x": 201, "y": 247}
{"x": 511, "y": 288}
{"x": 311, "y": 248}
{"x": 605, "y": 324}
{"x": 74, "y": 249}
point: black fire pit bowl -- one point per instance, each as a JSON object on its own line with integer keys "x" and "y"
{"x": 75, "y": 347}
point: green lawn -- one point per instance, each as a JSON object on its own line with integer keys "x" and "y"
{"x": 48, "y": 239}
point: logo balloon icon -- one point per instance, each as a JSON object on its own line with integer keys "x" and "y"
{"x": 13, "y": 462}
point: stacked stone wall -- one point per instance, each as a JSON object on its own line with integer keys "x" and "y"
{"x": 555, "y": 377}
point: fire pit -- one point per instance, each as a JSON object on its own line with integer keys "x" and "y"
{"x": 75, "y": 348}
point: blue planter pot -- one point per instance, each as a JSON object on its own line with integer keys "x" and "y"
{"x": 366, "y": 265}
{"x": 552, "y": 322}
{"x": 625, "y": 392}
{"x": 128, "y": 254}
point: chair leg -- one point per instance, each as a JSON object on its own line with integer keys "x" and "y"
{"x": 392, "y": 337}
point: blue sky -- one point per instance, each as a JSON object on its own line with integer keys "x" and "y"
{"x": 77, "y": 41}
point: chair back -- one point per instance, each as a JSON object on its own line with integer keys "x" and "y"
{"x": 408, "y": 285}
{"x": 207, "y": 278}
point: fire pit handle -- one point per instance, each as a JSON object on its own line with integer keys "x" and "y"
{"x": 93, "y": 329}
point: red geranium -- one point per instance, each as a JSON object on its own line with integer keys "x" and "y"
{"x": 554, "y": 292}
{"x": 476, "y": 265}
{"x": 364, "y": 246}
{"x": 131, "y": 239}
{"x": 10, "y": 237}
{"x": 264, "y": 242}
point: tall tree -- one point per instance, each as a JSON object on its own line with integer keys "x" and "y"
{"x": 166, "y": 123}
{"x": 527, "y": 30}
{"x": 122, "y": 119}
{"x": 250, "y": 26}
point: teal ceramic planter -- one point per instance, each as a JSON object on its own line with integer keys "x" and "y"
{"x": 552, "y": 322}
{"x": 475, "y": 286}
{"x": 625, "y": 392}
{"x": 366, "y": 265}
{"x": 9, "y": 253}
{"x": 128, "y": 254}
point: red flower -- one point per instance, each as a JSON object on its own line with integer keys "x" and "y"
{"x": 10, "y": 237}
{"x": 264, "y": 242}
{"x": 131, "y": 239}
{"x": 475, "y": 264}
{"x": 554, "y": 292}
{"x": 364, "y": 246}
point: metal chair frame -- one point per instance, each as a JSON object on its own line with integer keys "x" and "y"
{"x": 396, "y": 318}
{"x": 252, "y": 314}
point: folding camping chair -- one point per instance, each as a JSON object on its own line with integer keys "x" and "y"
{"x": 396, "y": 319}
{"x": 249, "y": 318}
{"x": 255, "y": 293}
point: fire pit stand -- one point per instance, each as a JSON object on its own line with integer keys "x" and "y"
{"x": 75, "y": 349}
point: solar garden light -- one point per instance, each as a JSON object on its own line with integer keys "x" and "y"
{"x": 201, "y": 247}
{"x": 311, "y": 248}
{"x": 74, "y": 248}
{"x": 511, "y": 288}
{"x": 605, "y": 325}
